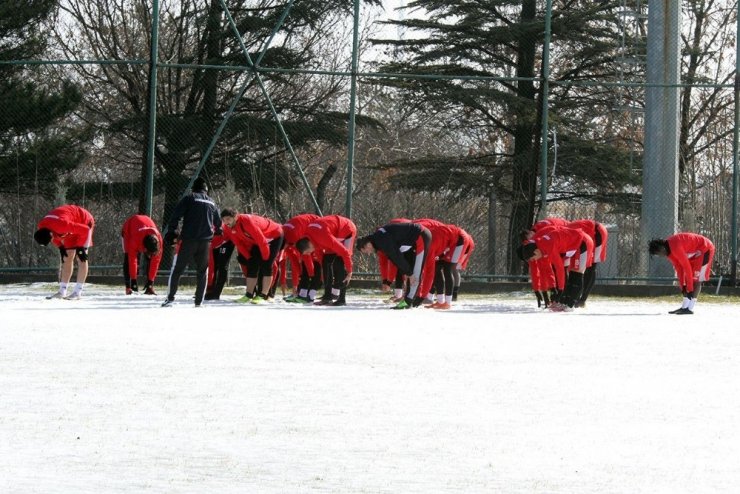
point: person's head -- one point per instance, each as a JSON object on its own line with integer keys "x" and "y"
{"x": 528, "y": 252}
{"x": 151, "y": 244}
{"x": 525, "y": 235}
{"x": 42, "y": 236}
{"x": 658, "y": 247}
{"x": 199, "y": 185}
{"x": 304, "y": 246}
{"x": 365, "y": 245}
{"x": 228, "y": 217}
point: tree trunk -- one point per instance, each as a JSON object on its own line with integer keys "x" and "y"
{"x": 524, "y": 179}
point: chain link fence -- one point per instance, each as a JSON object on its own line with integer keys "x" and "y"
{"x": 448, "y": 112}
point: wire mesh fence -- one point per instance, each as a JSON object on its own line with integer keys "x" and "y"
{"x": 447, "y": 112}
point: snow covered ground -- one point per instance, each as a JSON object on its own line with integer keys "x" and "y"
{"x": 115, "y": 394}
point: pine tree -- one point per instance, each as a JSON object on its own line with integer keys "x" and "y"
{"x": 35, "y": 151}
{"x": 496, "y": 111}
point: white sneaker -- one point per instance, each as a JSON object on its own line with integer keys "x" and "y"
{"x": 56, "y": 295}
{"x": 73, "y": 296}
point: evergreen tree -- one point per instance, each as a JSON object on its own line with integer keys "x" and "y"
{"x": 491, "y": 100}
{"x": 35, "y": 151}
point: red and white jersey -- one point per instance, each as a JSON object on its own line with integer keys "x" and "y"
{"x": 71, "y": 226}
{"x": 468, "y": 248}
{"x": 444, "y": 236}
{"x": 559, "y": 243}
{"x": 444, "y": 240}
{"x": 548, "y": 222}
{"x": 334, "y": 234}
{"x": 250, "y": 230}
{"x": 133, "y": 231}
{"x": 295, "y": 228}
{"x": 541, "y": 274}
{"x": 597, "y": 232}
{"x": 691, "y": 255}
{"x": 298, "y": 263}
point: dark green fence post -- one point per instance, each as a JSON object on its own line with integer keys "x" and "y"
{"x": 735, "y": 145}
{"x": 152, "y": 134}
{"x": 352, "y": 111}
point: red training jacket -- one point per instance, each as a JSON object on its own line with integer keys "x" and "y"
{"x": 71, "y": 226}
{"x": 687, "y": 249}
{"x": 133, "y": 232}
{"x": 327, "y": 233}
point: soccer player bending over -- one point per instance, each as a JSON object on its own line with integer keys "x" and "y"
{"x": 691, "y": 255}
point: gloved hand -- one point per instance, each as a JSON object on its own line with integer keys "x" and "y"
{"x": 540, "y": 299}
{"x": 170, "y": 238}
{"x": 81, "y": 254}
{"x": 62, "y": 252}
{"x": 149, "y": 288}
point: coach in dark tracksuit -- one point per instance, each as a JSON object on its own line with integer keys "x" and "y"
{"x": 406, "y": 245}
{"x": 200, "y": 218}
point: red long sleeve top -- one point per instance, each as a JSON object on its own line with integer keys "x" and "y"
{"x": 71, "y": 226}
{"x": 326, "y": 234}
{"x": 557, "y": 243}
{"x": 685, "y": 248}
{"x": 133, "y": 232}
{"x": 250, "y": 230}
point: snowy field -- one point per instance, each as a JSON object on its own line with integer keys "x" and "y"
{"x": 113, "y": 394}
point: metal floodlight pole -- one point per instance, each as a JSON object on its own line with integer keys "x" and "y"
{"x": 735, "y": 151}
{"x": 152, "y": 132}
{"x": 545, "y": 98}
{"x": 352, "y": 110}
{"x": 660, "y": 190}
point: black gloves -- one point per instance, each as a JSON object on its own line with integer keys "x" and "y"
{"x": 170, "y": 238}
{"x": 62, "y": 252}
{"x": 81, "y": 254}
{"x": 149, "y": 288}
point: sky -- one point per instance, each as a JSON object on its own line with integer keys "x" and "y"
{"x": 116, "y": 394}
